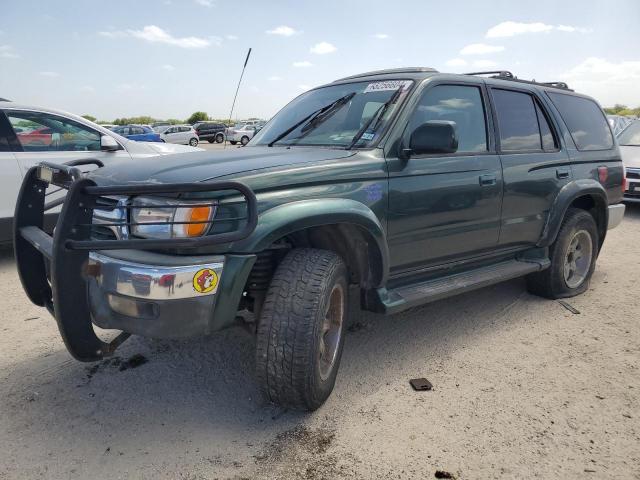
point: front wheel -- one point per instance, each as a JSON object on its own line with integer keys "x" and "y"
{"x": 244, "y": 140}
{"x": 573, "y": 258}
{"x": 301, "y": 330}
{"x": 193, "y": 142}
{"x": 219, "y": 138}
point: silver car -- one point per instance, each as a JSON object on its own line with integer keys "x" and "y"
{"x": 182, "y": 134}
{"x": 629, "y": 140}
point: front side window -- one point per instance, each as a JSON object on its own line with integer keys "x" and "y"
{"x": 337, "y": 115}
{"x": 460, "y": 104}
{"x": 41, "y": 132}
{"x": 586, "y": 121}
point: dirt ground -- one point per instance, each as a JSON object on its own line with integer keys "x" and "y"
{"x": 523, "y": 388}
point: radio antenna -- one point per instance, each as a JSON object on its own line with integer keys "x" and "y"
{"x": 236, "y": 95}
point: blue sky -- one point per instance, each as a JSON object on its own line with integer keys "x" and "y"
{"x": 168, "y": 58}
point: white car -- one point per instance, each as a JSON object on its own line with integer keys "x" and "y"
{"x": 183, "y": 134}
{"x": 241, "y": 133}
{"x": 30, "y": 135}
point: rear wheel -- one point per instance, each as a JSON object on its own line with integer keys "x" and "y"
{"x": 573, "y": 258}
{"x": 244, "y": 140}
{"x": 193, "y": 142}
{"x": 301, "y": 330}
{"x": 219, "y": 138}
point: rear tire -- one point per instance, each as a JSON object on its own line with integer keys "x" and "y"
{"x": 219, "y": 138}
{"x": 193, "y": 142}
{"x": 301, "y": 330}
{"x": 573, "y": 258}
{"x": 244, "y": 140}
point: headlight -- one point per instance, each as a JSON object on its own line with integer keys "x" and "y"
{"x": 161, "y": 218}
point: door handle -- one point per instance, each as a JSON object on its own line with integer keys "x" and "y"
{"x": 562, "y": 173}
{"x": 487, "y": 180}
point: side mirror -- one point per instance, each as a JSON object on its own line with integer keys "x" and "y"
{"x": 434, "y": 136}
{"x": 108, "y": 144}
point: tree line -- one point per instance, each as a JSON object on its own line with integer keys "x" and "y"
{"x": 619, "y": 109}
{"x": 147, "y": 120}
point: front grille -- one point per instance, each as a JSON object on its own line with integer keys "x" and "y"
{"x": 100, "y": 232}
{"x": 633, "y": 173}
{"x": 106, "y": 212}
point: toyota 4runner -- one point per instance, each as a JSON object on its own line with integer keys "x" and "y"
{"x": 406, "y": 185}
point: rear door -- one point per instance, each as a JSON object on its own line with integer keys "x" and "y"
{"x": 443, "y": 207}
{"x": 10, "y": 178}
{"x": 535, "y": 167}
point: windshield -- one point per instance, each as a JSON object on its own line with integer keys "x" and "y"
{"x": 630, "y": 136}
{"x": 333, "y": 116}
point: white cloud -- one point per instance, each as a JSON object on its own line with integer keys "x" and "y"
{"x": 6, "y": 51}
{"x": 304, "y": 87}
{"x": 322, "y": 48}
{"x": 381, "y": 36}
{"x": 155, "y": 34}
{"x": 231, "y": 37}
{"x": 50, "y": 74}
{"x": 480, "y": 49}
{"x": 87, "y": 88}
{"x": 456, "y": 62}
{"x": 283, "y": 31}
{"x": 302, "y": 64}
{"x": 205, "y": 3}
{"x": 274, "y": 78}
{"x": 608, "y": 82}
{"x": 130, "y": 87}
{"x": 484, "y": 64}
{"x": 168, "y": 68}
{"x": 511, "y": 28}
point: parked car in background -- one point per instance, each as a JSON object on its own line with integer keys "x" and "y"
{"x": 241, "y": 133}
{"x": 155, "y": 125}
{"x": 618, "y": 123}
{"x": 210, "y": 131}
{"x": 183, "y": 134}
{"x": 30, "y": 135}
{"x": 629, "y": 141}
{"x": 138, "y": 133}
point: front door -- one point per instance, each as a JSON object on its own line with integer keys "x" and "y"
{"x": 443, "y": 207}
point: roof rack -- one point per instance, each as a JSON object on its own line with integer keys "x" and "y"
{"x": 391, "y": 71}
{"x": 507, "y": 75}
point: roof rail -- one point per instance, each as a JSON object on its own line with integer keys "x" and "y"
{"x": 495, "y": 73}
{"x": 390, "y": 71}
{"x": 507, "y": 75}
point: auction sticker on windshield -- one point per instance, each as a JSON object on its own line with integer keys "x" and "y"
{"x": 388, "y": 85}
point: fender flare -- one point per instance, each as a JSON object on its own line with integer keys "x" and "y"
{"x": 288, "y": 218}
{"x": 568, "y": 193}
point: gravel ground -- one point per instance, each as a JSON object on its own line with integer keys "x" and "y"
{"x": 523, "y": 388}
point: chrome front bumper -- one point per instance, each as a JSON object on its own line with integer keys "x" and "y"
{"x": 616, "y": 213}
{"x": 154, "y": 295}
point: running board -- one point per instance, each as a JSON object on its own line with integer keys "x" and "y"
{"x": 402, "y": 298}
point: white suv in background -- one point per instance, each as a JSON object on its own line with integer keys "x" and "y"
{"x": 183, "y": 134}
{"x": 30, "y": 135}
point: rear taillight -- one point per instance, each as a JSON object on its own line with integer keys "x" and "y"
{"x": 603, "y": 174}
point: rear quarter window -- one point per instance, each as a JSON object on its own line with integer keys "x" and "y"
{"x": 585, "y": 120}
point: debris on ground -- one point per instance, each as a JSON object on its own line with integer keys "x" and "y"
{"x": 134, "y": 362}
{"x": 31, "y": 318}
{"x": 420, "y": 384}
{"x": 444, "y": 474}
{"x": 573, "y": 310}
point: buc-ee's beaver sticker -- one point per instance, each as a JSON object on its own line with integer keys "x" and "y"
{"x": 205, "y": 280}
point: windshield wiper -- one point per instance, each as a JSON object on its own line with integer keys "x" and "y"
{"x": 314, "y": 119}
{"x": 378, "y": 114}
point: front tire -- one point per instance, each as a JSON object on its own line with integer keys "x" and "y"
{"x": 244, "y": 140}
{"x": 193, "y": 142}
{"x": 573, "y": 258}
{"x": 301, "y": 330}
{"x": 219, "y": 138}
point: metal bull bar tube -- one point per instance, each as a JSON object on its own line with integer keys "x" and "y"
{"x": 64, "y": 293}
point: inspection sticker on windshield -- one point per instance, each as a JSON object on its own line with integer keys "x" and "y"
{"x": 389, "y": 85}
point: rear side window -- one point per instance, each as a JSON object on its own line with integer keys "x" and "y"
{"x": 517, "y": 121}
{"x": 586, "y": 122}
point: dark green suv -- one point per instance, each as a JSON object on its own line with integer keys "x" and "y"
{"x": 405, "y": 186}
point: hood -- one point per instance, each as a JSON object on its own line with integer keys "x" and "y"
{"x": 207, "y": 165}
{"x": 630, "y": 156}
{"x": 145, "y": 149}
